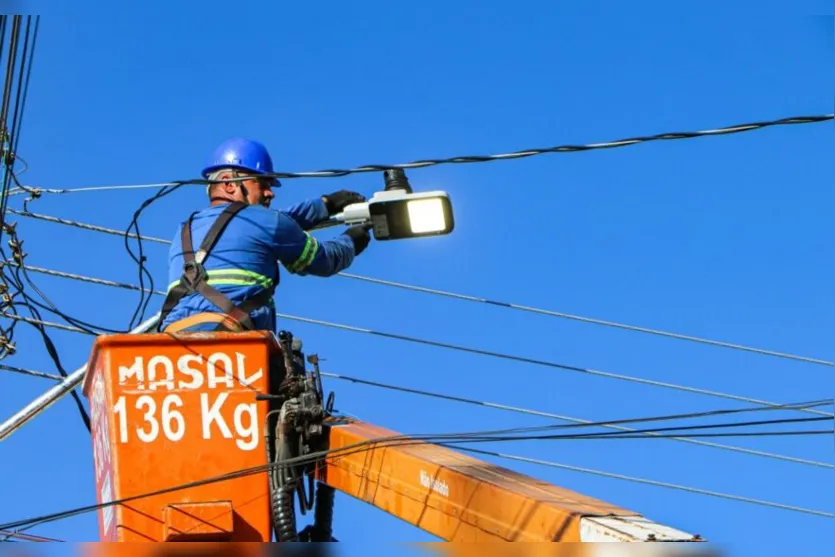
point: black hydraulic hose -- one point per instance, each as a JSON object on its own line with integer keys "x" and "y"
{"x": 283, "y": 496}
{"x": 322, "y": 530}
{"x": 285, "y": 514}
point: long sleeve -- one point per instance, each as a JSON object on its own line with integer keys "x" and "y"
{"x": 307, "y": 213}
{"x": 302, "y": 254}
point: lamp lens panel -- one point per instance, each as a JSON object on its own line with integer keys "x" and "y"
{"x": 426, "y": 215}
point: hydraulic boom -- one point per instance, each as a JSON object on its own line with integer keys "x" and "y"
{"x": 187, "y": 449}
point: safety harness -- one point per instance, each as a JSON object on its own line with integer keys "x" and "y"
{"x": 195, "y": 279}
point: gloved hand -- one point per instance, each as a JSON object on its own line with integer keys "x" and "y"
{"x": 337, "y": 201}
{"x": 360, "y": 236}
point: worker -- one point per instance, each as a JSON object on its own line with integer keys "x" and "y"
{"x": 227, "y": 284}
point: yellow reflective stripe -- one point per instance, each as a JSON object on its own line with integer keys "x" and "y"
{"x": 306, "y": 258}
{"x": 235, "y": 277}
{"x": 238, "y": 273}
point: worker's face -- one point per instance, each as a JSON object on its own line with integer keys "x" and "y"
{"x": 257, "y": 191}
{"x": 252, "y": 190}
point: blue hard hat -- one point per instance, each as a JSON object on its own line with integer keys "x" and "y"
{"x": 243, "y": 154}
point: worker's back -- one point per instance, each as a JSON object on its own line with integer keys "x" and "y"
{"x": 244, "y": 259}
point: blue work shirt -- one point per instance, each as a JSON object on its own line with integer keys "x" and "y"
{"x": 243, "y": 260}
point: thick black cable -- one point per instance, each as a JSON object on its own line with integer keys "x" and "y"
{"x": 50, "y": 306}
{"x": 739, "y": 128}
{"x": 142, "y": 305}
{"x": 25, "y": 83}
{"x": 56, "y": 359}
{"x": 4, "y": 114}
{"x": 556, "y": 149}
{"x": 37, "y": 322}
{"x": 551, "y": 415}
{"x": 504, "y": 435}
{"x": 11, "y": 137}
{"x": 20, "y": 103}
{"x": 363, "y": 446}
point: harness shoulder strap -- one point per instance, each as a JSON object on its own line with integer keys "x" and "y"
{"x": 194, "y": 277}
{"x": 212, "y": 235}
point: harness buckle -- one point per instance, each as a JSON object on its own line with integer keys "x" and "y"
{"x": 193, "y": 274}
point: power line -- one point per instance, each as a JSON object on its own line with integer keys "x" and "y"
{"x": 86, "y": 226}
{"x": 396, "y": 441}
{"x": 465, "y": 159}
{"x": 438, "y": 344}
{"x": 505, "y": 407}
{"x": 534, "y": 361}
{"x": 465, "y": 297}
{"x": 27, "y": 537}
{"x": 33, "y": 373}
{"x": 585, "y": 319}
{"x": 37, "y": 322}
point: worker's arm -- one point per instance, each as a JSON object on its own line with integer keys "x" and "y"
{"x": 311, "y": 212}
{"x": 308, "y": 213}
{"x": 302, "y": 254}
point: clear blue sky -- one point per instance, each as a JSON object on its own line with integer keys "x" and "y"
{"x": 726, "y": 237}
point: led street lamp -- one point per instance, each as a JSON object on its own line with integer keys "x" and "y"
{"x": 398, "y": 213}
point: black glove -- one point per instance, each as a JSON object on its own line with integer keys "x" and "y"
{"x": 337, "y": 201}
{"x": 360, "y": 236}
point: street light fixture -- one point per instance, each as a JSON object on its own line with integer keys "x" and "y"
{"x": 398, "y": 213}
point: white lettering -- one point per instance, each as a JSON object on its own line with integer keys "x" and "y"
{"x": 213, "y": 415}
{"x": 168, "y": 368}
{"x": 196, "y": 376}
{"x": 244, "y": 380}
{"x": 438, "y": 486}
{"x": 134, "y": 371}
{"x": 147, "y": 416}
{"x": 251, "y": 432}
{"x": 188, "y": 372}
{"x": 211, "y": 370}
{"x": 120, "y": 410}
{"x": 170, "y": 416}
{"x": 147, "y": 400}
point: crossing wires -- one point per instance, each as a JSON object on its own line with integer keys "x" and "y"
{"x": 133, "y": 233}
{"x": 19, "y": 62}
{"x": 433, "y": 292}
{"x": 166, "y": 189}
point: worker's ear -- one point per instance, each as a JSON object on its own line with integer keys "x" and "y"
{"x": 228, "y": 187}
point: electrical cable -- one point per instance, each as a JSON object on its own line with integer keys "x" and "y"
{"x": 396, "y": 441}
{"x": 545, "y": 363}
{"x": 41, "y": 322}
{"x": 36, "y": 320}
{"x": 86, "y": 226}
{"x": 431, "y": 291}
{"x": 15, "y": 369}
{"x": 27, "y": 537}
{"x": 505, "y": 407}
{"x": 614, "y": 424}
{"x": 51, "y": 307}
{"x": 170, "y": 187}
{"x": 142, "y": 305}
{"x": 551, "y": 313}
{"x": 5, "y": 134}
{"x": 481, "y": 158}
{"x": 504, "y": 434}
{"x": 143, "y": 272}
{"x": 510, "y": 357}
